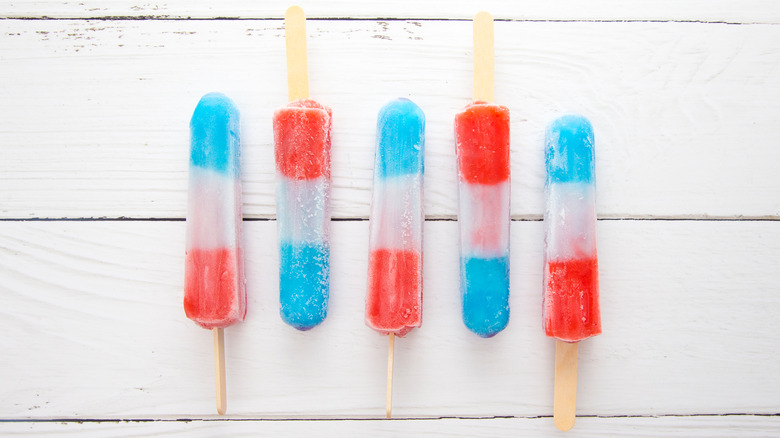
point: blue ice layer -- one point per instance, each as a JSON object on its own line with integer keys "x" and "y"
{"x": 400, "y": 139}
{"x": 214, "y": 135}
{"x": 484, "y": 284}
{"x": 569, "y": 151}
{"x": 303, "y": 283}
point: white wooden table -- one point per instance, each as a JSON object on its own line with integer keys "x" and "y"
{"x": 96, "y": 98}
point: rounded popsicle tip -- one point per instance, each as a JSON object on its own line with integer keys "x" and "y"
{"x": 398, "y": 331}
{"x": 293, "y": 11}
{"x": 305, "y": 316}
{"x": 215, "y": 103}
{"x": 304, "y": 279}
{"x": 569, "y": 150}
{"x": 485, "y": 292}
{"x": 302, "y": 323}
{"x": 572, "y": 123}
{"x": 564, "y": 424}
{"x": 402, "y": 107}
{"x": 214, "y": 134}
{"x": 400, "y": 138}
{"x": 485, "y": 329}
{"x": 483, "y": 16}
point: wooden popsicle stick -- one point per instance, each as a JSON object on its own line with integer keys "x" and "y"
{"x": 219, "y": 369}
{"x": 565, "y": 403}
{"x": 483, "y": 57}
{"x": 297, "y": 66}
{"x": 390, "y": 348}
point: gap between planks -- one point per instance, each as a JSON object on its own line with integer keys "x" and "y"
{"x": 228, "y": 418}
{"x": 502, "y": 20}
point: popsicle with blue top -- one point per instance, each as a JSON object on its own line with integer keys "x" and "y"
{"x": 394, "y": 301}
{"x": 394, "y": 297}
{"x": 571, "y": 283}
{"x": 214, "y": 290}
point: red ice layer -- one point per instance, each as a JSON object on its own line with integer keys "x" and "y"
{"x": 302, "y": 140}
{"x": 214, "y": 288}
{"x": 571, "y": 301}
{"x": 482, "y": 143}
{"x": 394, "y": 300}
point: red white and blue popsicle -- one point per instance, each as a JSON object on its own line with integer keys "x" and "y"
{"x": 302, "y": 137}
{"x": 571, "y": 284}
{"x": 482, "y": 146}
{"x": 214, "y": 294}
{"x": 394, "y": 301}
{"x": 394, "y": 298}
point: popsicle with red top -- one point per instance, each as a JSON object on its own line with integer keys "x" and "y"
{"x": 214, "y": 294}
{"x": 571, "y": 285}
{"x": 482, "y": 147}
{"x": 394, "y": 297}
{"x": 302, "y": 138}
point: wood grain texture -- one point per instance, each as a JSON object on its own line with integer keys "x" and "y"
{"x": 484, "y": 58}
{"x": 748, "y": 11}
{"x": 297, "y": 66}
{"x": 682, "y": 427}
{"x": 219, "y": 370}
{"x": 390, "y": 352}
{"x": 96, "y": 122}
{"x": 689, "y": 312}
{"x": 684, "y": 98}
{"x": 565, "y": 393}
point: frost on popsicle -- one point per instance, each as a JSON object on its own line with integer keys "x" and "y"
{"x": 214, "y": 294}
{"x": 394, "y": 298}
{"x": 482, "y": 146}
{"x": 302, "y": 138}
{"x": 571, "y": 299}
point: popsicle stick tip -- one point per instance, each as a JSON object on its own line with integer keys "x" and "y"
{"x": 483, "y": 16}
{"x": 293, "y": 12}
{"x": 297, "y": 63}
{"x": 483, "y": 57}
{"x": 564, "y": 424}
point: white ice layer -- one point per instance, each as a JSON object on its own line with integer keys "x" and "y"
{"x": 396, "y": 213}
{"x": 483, "y": 213}
{"x": 302, "y": 209}
{"x": 212, "y": 218}
{"x": 570, "y": 221}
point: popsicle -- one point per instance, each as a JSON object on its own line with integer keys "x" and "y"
{"x": 302, "y": 137}
{"x": 482, "y": 147}
{"x": 214, "y": 294}
{"x": 571, "y": 285}
{"x": 394, "y": 298}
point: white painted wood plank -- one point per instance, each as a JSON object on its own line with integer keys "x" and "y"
{"x": 684, "y": 427}
{"x": 716, "y": 10}
{"x": 94, "y": 328}
{"x": 95, "y": 114}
